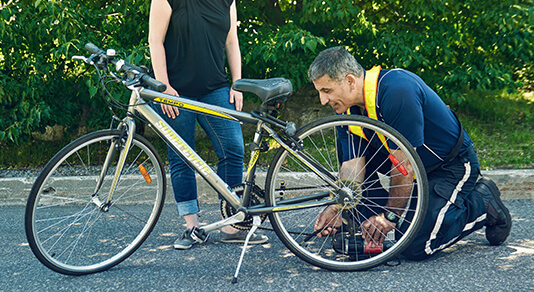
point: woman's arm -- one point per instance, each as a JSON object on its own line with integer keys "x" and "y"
{"x": 159, "y": 19}
{"x": 233, "y": 55}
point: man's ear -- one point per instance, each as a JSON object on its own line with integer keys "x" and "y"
{"x": 351, "y": 81}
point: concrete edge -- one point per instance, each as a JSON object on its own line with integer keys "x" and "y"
{"x": 514, "y": 185}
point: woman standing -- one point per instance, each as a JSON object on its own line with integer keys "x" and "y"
{"x": 188, "y": 42}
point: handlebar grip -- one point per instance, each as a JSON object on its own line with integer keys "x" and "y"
{"x": 129, "y": 66}
{"x": 94, "y": 49}
{"x": 146, "y": 79}
{"x": 157, "y": 85}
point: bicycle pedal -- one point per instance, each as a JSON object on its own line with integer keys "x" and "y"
{"x": 199, "y": 235}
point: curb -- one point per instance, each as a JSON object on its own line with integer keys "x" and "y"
{"x": 513, "y": 184}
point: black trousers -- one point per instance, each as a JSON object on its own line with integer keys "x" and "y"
{"x": 454, "y": 211}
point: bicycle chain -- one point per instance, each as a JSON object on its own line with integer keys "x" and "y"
{"x": 258, "y": 197}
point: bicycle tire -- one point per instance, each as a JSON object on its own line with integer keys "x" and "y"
{"x": 289, "y": 179}
{"x": 70, "y": 234}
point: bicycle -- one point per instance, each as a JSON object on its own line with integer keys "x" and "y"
{"x": 81, "y": 226}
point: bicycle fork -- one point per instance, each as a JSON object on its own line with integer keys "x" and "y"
{"x": 124, "y": 148}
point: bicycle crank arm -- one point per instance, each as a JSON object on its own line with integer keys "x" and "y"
{"x": 237, "y": 218}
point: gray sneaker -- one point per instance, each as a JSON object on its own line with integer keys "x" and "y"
{"x": 190, "y": 237}
{"x": 240, "y": 237}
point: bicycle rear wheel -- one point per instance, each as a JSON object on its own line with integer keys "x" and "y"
{"x": 289, "y": 181}
{"x": 67, "y": 231}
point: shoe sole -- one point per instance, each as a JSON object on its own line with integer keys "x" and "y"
{"x": 182, "y": 247}
{"x": 497, "y": 199}
{"x": 495, "y": 190}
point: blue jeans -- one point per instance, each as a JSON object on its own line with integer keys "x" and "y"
{"x": 226, "y": 138}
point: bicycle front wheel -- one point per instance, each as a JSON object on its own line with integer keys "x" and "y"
{"x": 365, "y": 189}
{"x": 67, "y": 231}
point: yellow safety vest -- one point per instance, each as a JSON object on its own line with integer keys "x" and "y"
{"x": 370, "y": 91}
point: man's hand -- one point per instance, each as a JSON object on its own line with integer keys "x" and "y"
{"x": 330, "y": 217}
{"x": 374, "y": 229}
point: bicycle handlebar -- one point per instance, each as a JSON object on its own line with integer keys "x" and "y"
{"x": 94, "y": 49}
{"x": 123, "y": 66}
{"x": 157, "y": 85}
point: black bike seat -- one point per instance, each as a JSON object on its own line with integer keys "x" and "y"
{"x": 268, "y": 90}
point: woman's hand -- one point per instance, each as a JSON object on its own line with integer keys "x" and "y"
{"x": 169, "y": 110}
{"x": 236, "y": 98}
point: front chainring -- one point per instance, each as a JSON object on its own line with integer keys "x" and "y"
{"x": 257, "y": 196}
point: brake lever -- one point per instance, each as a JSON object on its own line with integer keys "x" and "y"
{"x": 87, "y": 60}
{"x": 83, "y": 58}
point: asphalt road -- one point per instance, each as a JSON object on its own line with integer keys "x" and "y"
{"x": 470, "y": 265}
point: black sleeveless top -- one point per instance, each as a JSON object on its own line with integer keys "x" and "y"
{"x": 195, "y": 45}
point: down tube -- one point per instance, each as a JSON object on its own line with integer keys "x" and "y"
{"x": 181, "y": 147}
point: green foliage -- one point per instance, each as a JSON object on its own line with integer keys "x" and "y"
{"x": 501, "y": 126}
{"x": 39, "y": 83}
{"x": 272, "y": 44}
{"x": 456, "y": 46}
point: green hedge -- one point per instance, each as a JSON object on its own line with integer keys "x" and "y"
{"x": 455, "y": 46}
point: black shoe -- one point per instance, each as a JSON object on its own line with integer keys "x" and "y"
{"x": 498, "y": 219}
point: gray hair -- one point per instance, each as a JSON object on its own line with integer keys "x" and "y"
{"x": 336, "y": 62}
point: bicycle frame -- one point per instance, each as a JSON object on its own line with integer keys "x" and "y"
{"x": 138, "y": 106}
{"x": 68, "y": 234}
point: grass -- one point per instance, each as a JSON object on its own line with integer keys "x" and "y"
{"x": 501, "y": 125}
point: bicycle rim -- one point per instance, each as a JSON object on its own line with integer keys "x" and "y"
{"x": 288, "y": 178}
{"x": 67, "y": 231}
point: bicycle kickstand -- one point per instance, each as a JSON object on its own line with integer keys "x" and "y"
{"x": 255, "y": 224}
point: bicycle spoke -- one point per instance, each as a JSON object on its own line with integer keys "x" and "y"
{"x": 364, "y": 190}
{"x": 72, "y": 235}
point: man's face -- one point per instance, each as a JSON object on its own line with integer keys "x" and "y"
{"x": 340, "y": 96}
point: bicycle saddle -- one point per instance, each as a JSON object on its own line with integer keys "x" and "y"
{"x": 272, "y": 90}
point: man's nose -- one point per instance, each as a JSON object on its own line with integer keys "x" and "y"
{"x": 324, "y": 99}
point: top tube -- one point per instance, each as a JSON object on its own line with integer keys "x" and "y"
{"x": 196, "y": 106}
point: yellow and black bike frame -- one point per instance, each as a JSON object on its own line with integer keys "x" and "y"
{"x": 140, "y": 107}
